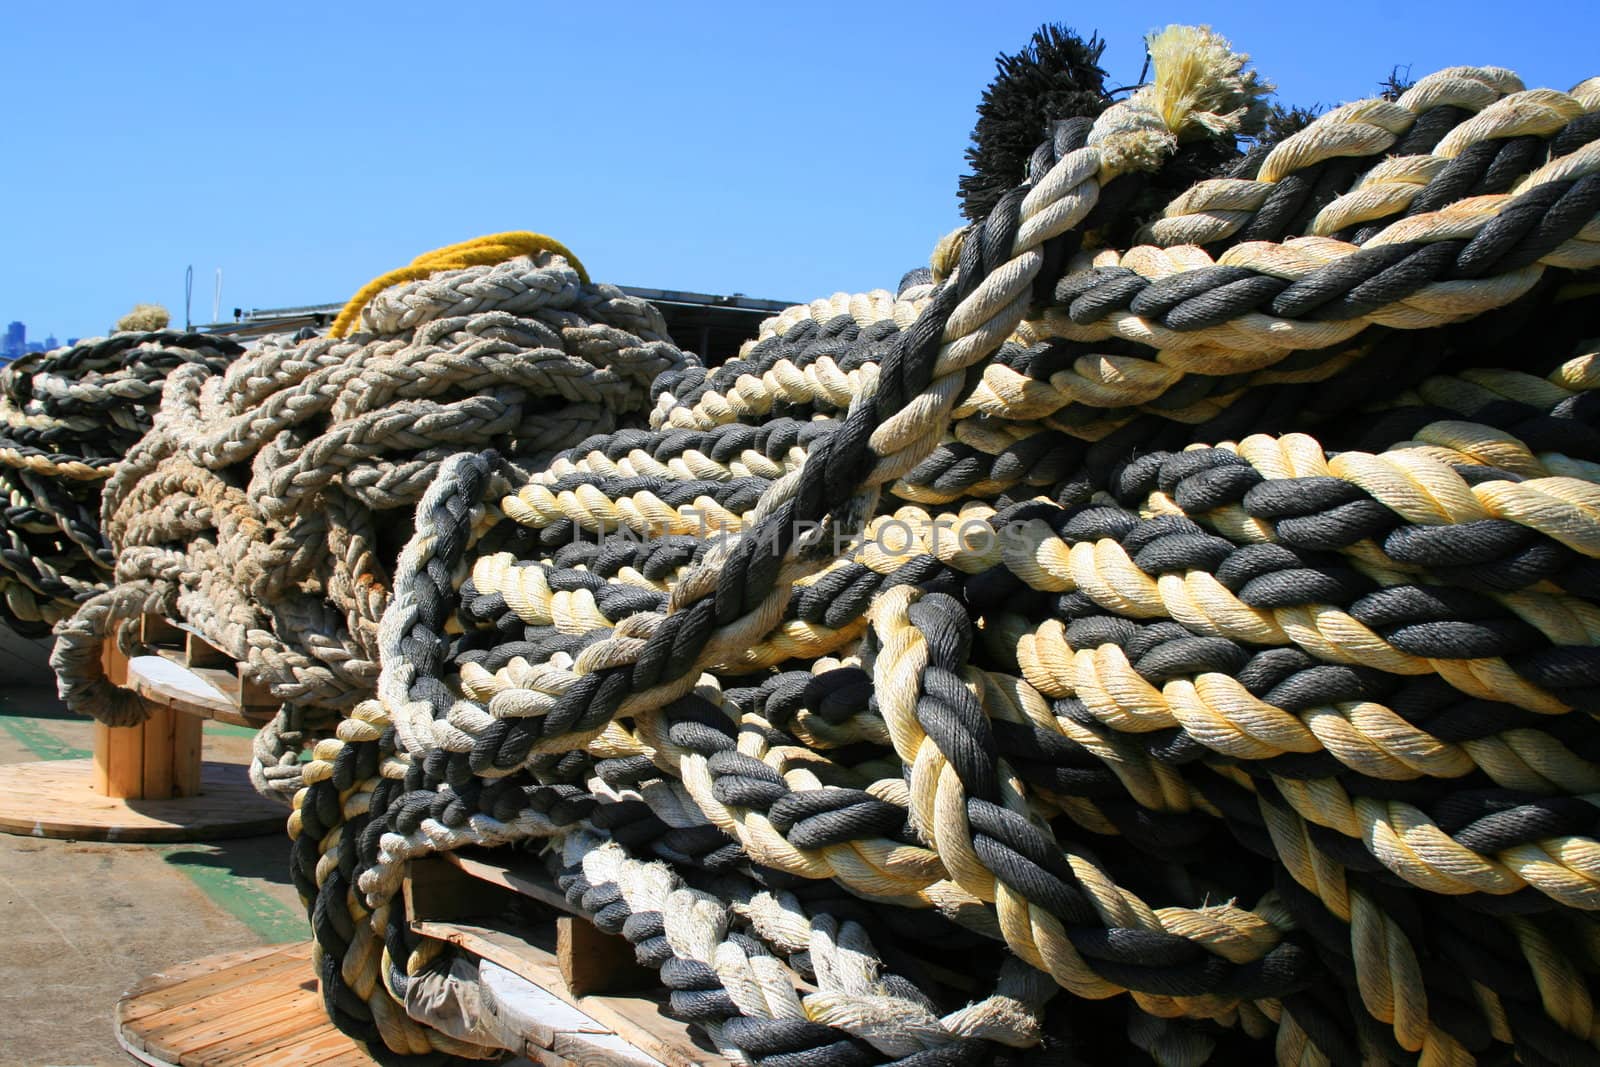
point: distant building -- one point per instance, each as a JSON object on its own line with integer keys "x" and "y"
{"x": 71, "y": 341}
{"x": 50, "y": 342}
{"x": 34, "y": 346}
{"x": 16, "y": 341}
{"x": 713, "y": 327}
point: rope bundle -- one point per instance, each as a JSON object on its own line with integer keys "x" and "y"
{"x": 1199, "y": 637}
{"x": 266, "y": 506}
{"x": 66, "y": 418}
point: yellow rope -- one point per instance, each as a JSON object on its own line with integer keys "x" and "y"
{"x": 480, "y": 251}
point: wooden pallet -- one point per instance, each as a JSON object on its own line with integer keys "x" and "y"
{"x": 575, "y": 993}
{"x": 595, "y": 1005}
{"x": 257, "y": 1008}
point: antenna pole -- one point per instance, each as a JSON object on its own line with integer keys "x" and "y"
{"x": 216, "y": 298}
{"x": 188, "y": 295}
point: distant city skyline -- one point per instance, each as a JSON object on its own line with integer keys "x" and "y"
{"x": 15, "y": 343}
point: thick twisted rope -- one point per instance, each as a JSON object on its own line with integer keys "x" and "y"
{"x": 67, "y": 418}
{"x": 480, "y": 251}
{"x": 1205, "y": 629}
{"x": 260, "y": 509}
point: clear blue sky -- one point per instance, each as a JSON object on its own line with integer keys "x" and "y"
{"x": 769, "y": 149}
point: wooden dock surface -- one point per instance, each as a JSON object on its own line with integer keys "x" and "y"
{"x": 256, "y": 1008}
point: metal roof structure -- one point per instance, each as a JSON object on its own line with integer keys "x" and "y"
{"x": 711, "y": 326}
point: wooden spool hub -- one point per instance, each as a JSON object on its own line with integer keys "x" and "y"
{"x": 148, "y": 782}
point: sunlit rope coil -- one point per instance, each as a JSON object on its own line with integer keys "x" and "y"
{"x": 67, "y": 418}
{"x": 266, "y": 507}
{"x": 1201, "y": 629}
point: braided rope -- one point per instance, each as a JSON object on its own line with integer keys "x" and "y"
{"x": 1207, "y": 632}
{"x": 480, "y": 251}
{"x": 67, "y": 418}
{"x": 258, "y": 509}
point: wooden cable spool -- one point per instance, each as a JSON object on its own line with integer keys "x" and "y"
{"x": 150, "y": 782}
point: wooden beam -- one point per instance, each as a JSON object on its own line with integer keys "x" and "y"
{"x": 525, "y": 878}
{"x": 187, "y": 745}
{"x": 198, "y": 652}
{"x": 113, "y": 662}
{"x": 121, "y": 748}
{"x": 434, "y": 889}
{"x": 157, "y": 631}
{"x": 596, "y": 962}
{"x": 639, "y": 1020}
{"x": 253, "y": 693}
{"x": 100, "y": 779}
{"x": 155, "y": 776}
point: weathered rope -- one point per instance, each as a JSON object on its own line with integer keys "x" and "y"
{"x": 1205, "y": 628}
{"x": 67, "y": 418}
{"x": 480, "y": 251}
{"x": 266, "y": 506}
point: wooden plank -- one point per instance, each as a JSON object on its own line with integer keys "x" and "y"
{"x": 154, "y": 985}
{"x": 543, "y": 1013}
{"x": 328, "y": 1046}
{"x": 259, "y": 1008}
{"x": 155, "y": 778}
{"x": 286, "y": 1038}
{"x": 595, "y": 962}
{"x": 434, "y": 889}
{"x": 544, "y": 1057}
{"x": 113, "y": 662}
{"x": 277, "y": 1042}
{"x": 253, "y": 693}
{"x": 198, "y": 652}
{"x": 156, "y": 631}
{"x": 187, "y": 745}
{"x": 100, "y": 774}
{"x": 167, "y": 994}
{"x": 208, "y": 692}
{"x": 222, "y": 996}
{"x": 600, "y": 1050}
{"x": 351, "y": 1057}
{"x": 197, "y": 1031}
{"x": 526, "y": 879}
{"x": 638, "y": 1020}
{"x": 124, "y": 759}
{"x": 170, "y": 988}
{"x": 643, "y": 1022}
{"x": 172, "y": 985}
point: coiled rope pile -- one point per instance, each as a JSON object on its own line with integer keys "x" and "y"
{"x": 268, "y": 503}
{"x": 1179, "y": 609}
{"x": 66, "y": 419}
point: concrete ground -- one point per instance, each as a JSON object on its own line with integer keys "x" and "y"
{"x": 82, "y": 921}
